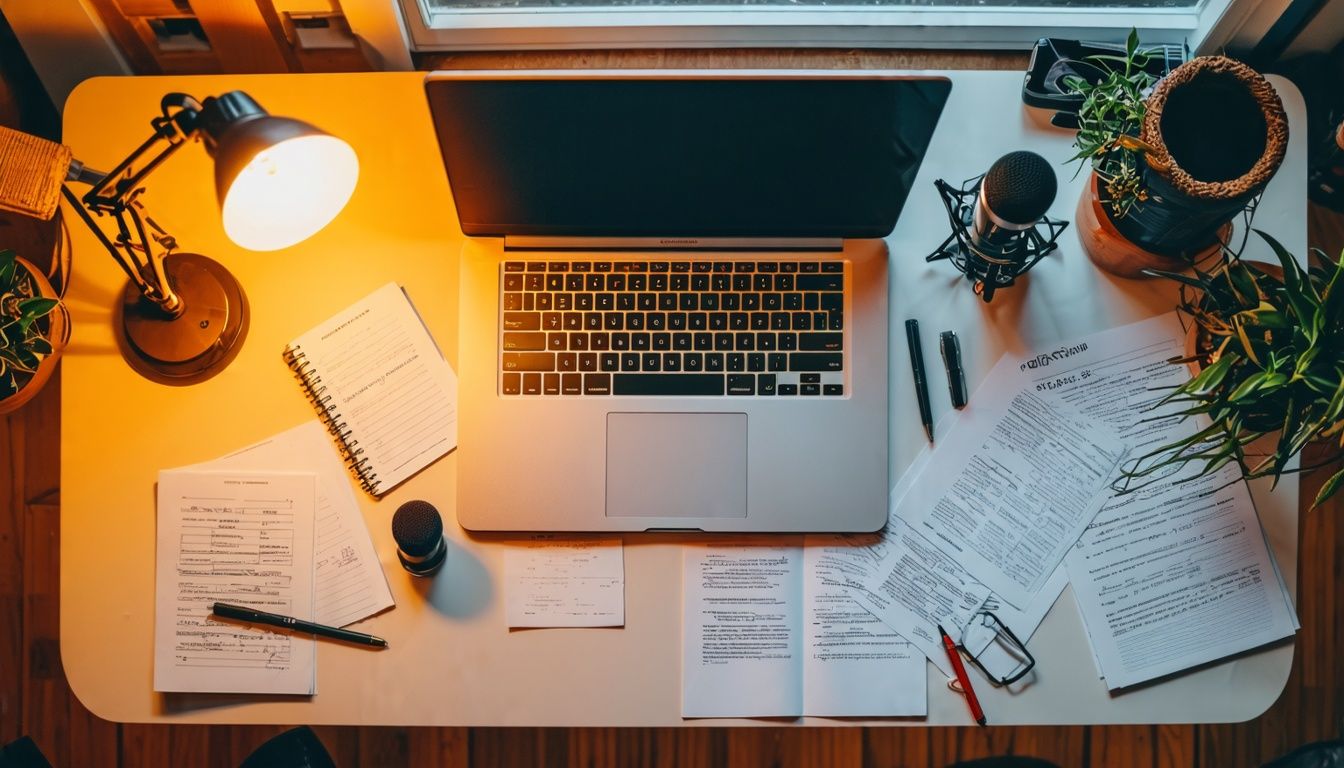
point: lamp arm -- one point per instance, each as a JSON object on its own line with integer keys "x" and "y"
{"x": 139, "y": 253}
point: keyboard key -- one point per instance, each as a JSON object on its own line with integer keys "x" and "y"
{"x": 582, "y": 266}
{"x": 777, "y": 361}
{"x": 751, "y": 302}
{"x": 555, "y": 342}
{"x": 620, "y": 341}
{"x": 528, "y": 361}
{"x": 597, "y": 383}
{"x": 613, "y": 321}
{"x": 637, "y": 283}
{"x": 513, "y": 266}
{"x": 522, "y": 321}
{"x": 810, "y": 389}
{"x": 592, "y": 321}
{"x": 714, "y": 361}
{"x": 816, "y": 361}
{"x": 828, "y": 282}
{"x": 832, "y": 266}
{"x": 679, "y": 283}
{"x": 513, "y": 301}
{"x": 820, "y": 342}
{"x": 756, "y": 362}
{"x": 604, "y": 302}
{"x": 578, "y": 341}
{"x": 783, "y": 283}
{"x": 535, "y": 281}
{"x": 616, "y": 282}
{"x": 741, "y": 384}
{"x": 744, "y": 266}
{"x": 691, "y": 384}
{"x": 652, "y": 361}
{"x": 809, "y": 266}
{"x": 573, "y": 282}
{"x": 646, "y": 302}
{"x": 524, "y": 340}
{"x": 536, "y": 266}
{"x": 513, "y": 282}
{"x": 821, "y": 320}
{"x": 737, "y": 362}
{"x": 681, "y": 266}
{"x": 832, "y": 302}
{"x": 555, "y": 282}
{"x": 765, "y": 342}
{"x": 550, "y": 383}
{"x": 788, "y": 341}
{"x": 601, "y": 266}
{"x": 809, "y": 378}
{"x": 567, "y": 361}
{"x": 788, "y": 266}
{"x": 762, "y": 283}
{"x": 545, "y": 301}
{"x": 766, "y": 266}
{"x": 571, "y": 383}
{"x": 658, "y": 266}
{"x": 788, "y": 389}
{"x": 765, "y": 384}
{"x": 635, "y": 321}
{"x": 584, "y": 301}
{"x": 594, "y": 283}
{"x": 693, "y": 362}
{"x": 833, "y": 389}
{"x": 629, "y": 361}
{"x": 699, "y": 283}
{"x": 760, "y": 321}
{"x": 531, "y": 383}
{"x": 588, "y": 362}
{"x": 639, "y": 341}
{"x": 599, "y": 342}
{"x": 671, "y": 362}
{"x": 511, "y": 383}
{"x": 681, "y": 341}
{"x": 745, "y": 342}
{"x": 723, "y": 266}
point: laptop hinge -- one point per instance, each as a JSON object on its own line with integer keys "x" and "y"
{"x": 546, "y": 243}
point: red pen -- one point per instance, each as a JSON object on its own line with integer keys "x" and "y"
{"x": 962, "y": 679}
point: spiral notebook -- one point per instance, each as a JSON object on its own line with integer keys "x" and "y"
{"x": 381, "y": 387}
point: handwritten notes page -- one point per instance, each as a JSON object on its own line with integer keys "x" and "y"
{"x": 234, "y": 537}
{"x": 349, "y": 581}
{"x": 565, "y": 581}
{"x": 1179, "y": 573}
{"x": 1008, "y": 492}
{"x": 387, "y": 385}
{"x": 771, "y": 632}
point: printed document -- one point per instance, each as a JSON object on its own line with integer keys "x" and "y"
{"x": 1179, "y": 573}
{"x": 565, "y": 581}
{"x": 349, "y": 581}
{"x": 235, "y": 537}
{"x": 1011, "y": 488}
{"x": 769, "y": 632}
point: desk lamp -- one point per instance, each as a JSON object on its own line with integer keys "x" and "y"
{"x": 279, "y": 181}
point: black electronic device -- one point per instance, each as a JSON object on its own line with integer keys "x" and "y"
{"x": 995, "y": 220}
{"x": 418, "y": 530}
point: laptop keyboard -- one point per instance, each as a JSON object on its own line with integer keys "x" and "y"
{"x": 679, "y": 328}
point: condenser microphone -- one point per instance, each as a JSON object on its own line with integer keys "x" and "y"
{"x": 995, "y": 220}
{"x": 1016, "y": 192}
{"x": 418, "y": 529}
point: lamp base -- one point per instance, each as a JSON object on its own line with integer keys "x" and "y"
{"x": 202, "y": 340}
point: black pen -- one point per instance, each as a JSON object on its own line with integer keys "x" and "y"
{"x": 299, "y": 625}
{"x": 956, "y": 376}
{"x": 917, "y": 367}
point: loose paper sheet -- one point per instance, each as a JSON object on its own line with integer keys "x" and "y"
{"x": 742, "y": 644}
{"x": 854, "y": 665}
{"x": 565, "y": 581}
{"x": 235, "y": 537}
{"x": 350, "y": 583}
{"x": 1178, "y": 574}
{"x": 1011, "y": 488}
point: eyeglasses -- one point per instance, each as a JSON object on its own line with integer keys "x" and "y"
{"x": 993, "y": 648}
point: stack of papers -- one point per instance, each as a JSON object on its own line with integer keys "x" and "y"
{"x": 274, "y": 526}
{"x": 1014, "y": 503}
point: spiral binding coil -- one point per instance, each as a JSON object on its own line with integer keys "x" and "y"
{"x": 314, "y": 390}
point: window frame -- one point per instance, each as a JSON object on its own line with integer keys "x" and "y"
{"x": 1206, "y": 27}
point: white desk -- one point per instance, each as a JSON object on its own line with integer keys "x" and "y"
{"x": 452, "y": 659}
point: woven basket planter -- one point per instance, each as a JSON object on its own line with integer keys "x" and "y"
{"x": 1216, "y": 133}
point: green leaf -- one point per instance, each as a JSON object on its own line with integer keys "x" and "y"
{"x": 1209, "y": 378}
{"x": 8, "y": 264}
{"x": 1329, "y": 488}
{"x": 1249, "y": 385}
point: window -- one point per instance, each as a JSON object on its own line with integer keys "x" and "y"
{"x": 493, "y": 24}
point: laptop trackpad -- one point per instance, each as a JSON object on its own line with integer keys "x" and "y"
{"x": 677, "y": 464}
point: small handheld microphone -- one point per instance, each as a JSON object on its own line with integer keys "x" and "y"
{"x": 418, "y": 529}
{"x": 994, "y": 221}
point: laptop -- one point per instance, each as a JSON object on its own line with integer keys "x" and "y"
{"x": 674, "y": 294}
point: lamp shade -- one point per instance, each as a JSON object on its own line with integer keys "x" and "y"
{"x": 279, "y": 180}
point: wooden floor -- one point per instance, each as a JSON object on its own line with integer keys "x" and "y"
{"x": 35, "y": 698}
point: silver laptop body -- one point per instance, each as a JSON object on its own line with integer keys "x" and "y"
{"x": 554, "y": 437}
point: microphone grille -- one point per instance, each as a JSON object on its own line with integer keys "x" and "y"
{"x": 1019, "y": 187}
{"x": 417, "y": 527}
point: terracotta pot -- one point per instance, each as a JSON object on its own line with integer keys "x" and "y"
{"x": 1214, "y": 132}
{"x": 58, "y": 333}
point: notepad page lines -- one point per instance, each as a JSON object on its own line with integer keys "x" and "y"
{"x": 341, "y": 595}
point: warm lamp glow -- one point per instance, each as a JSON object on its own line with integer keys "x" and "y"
{"x": 289, "y": 191}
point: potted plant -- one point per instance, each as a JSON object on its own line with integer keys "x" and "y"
{"x": 1173, "y": 159}
{"x": 1270, "y": 346}
{"x": 34, "y": 327}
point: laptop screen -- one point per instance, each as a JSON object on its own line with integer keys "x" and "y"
{"x": 626, "y": 157}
